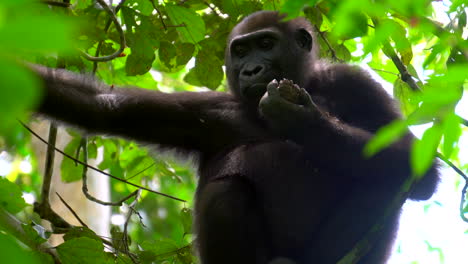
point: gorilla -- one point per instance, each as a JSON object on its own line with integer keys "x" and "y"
{"x": 282, "y": 177}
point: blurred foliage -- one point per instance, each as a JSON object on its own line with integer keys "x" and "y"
{"x": 179, "y": 46}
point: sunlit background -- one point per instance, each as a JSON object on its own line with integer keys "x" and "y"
{"x": 432, "y": 232}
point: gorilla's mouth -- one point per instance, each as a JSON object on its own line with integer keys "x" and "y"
{"x": 254, "y": 91}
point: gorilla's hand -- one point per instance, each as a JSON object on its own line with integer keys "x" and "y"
{"x": 286, "y": 106}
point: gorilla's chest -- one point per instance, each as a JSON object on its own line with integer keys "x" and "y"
{"x": 286, "y": 183}
{"x": 259, "y": 162}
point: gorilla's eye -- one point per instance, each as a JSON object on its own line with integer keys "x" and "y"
{"x": 266, "y": 43}
{"x": 240, "y": 50}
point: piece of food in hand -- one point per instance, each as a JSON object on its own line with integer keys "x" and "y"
{"x": 290, "y": 91}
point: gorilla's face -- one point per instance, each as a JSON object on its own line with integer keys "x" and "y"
{"x": 262, "y": 49}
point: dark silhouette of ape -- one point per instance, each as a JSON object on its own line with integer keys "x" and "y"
{"x": 282, "y": 175}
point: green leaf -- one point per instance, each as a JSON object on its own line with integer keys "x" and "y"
{"x": 423, "y": 151}
{"x": 462, "y": 20}
{"x": 381, "y": 34}
{"x": 69, "y": 170}
{"x": 142, "y": 43}
{"x": 163, "y": 248}
{"x": 438, "y": 48}
{"x": 79, "y": 231}
{"x": 456, "y": 4}
{"x": 294, "y": 8}
{"x": 29, "y": 32}
{"x": 351, "y": 24}
{"x": 409, "y": 100}
{"x": 342, "y": 52}
{"x": 110, "y": 153}
{"x": 190, "y": 25}
{"x": 402, "y": 44}
{"x": 35, "y": 233}
{"x": 452, "y": 133}
{"x": 207, "y": 71}
{"x": 129, "y": 17}
{"x": 13, "y": 3}
{"x": 146, "y": 256}
{"x": 314, "y": 15}
{"x": 14, "y": 253}
{"x": 141, "y": 59}
{"x": 167, "y": 52}
{"x": 82, "y": 250}
{"x": 19, "y": 92}
{"x": 186, "y": 218}
{"x": 184, "y": 53}
{"x": 236, "y": 8}
{"x": 11, "y": 198}
{"x": 139, "y": 63}
{"x": 144, "y": 6}
{"x": 92, "y": 150}
{"x": 120, "y": 241}
{"x": 384, "y": 137}
{"x": 83, "y": 4}
{"x": 186, "y": 256}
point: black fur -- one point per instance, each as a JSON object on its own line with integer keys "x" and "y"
{"x": 283, "y": 180}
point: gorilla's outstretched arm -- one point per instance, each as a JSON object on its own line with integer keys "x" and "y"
{"x": 201, "y": 121}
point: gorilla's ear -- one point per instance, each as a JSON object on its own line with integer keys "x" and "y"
{"x": 304, "y": 39}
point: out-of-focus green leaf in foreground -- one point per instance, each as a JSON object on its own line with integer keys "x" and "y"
{"x": 83, "y": 250}
{"x": 11, "y": 198}
{"x": 11, "y": 252}
{"x": 25, "y": 31}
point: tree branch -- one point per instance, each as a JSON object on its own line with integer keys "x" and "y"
{"x": 330, "y": 48}
{"x": 390, "y": 52}
{"x": 464, "y": 121}
{"x": 43, "y": 208}
{"x": 106, "y": 28}
{"x": 54, "y": 3}
{"x": 121, "y": 37}
{"x": 14, "y": 227}
{"x": 465, "y": 188}
{"x": 71, "y": 210}
{"x": 159, "y": 14}
{"x": 84, "y": 188}
{"x": 100, "y": 171}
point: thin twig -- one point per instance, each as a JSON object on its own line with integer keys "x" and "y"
{"x": 384, "y": 71}
{"x": 100, "y": 171}
{"x": 54, "y": 3}
{"x": 49, "y": 166}
{"x": 159, "y": 15}
{"x": 143, "y": 170}
{"x": 455, "y": 168}
{"x": 43, "y": 208}
{"x": 106, "y": 28}
{"x": 327, "y": 42}
{"x": 213, "y": 9}
{"x": 405, "y": 75}
{"x": 462, "y": 204}
{"x": 174, "y": 252}
{"x": 465, "y": 177}
{"x": 125, "y": 231}
{"x": 84, "y": 187}
{"x": 464, "y": 121}
{"x": 121, "y": 37}
{"x": 71, "y": 210}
